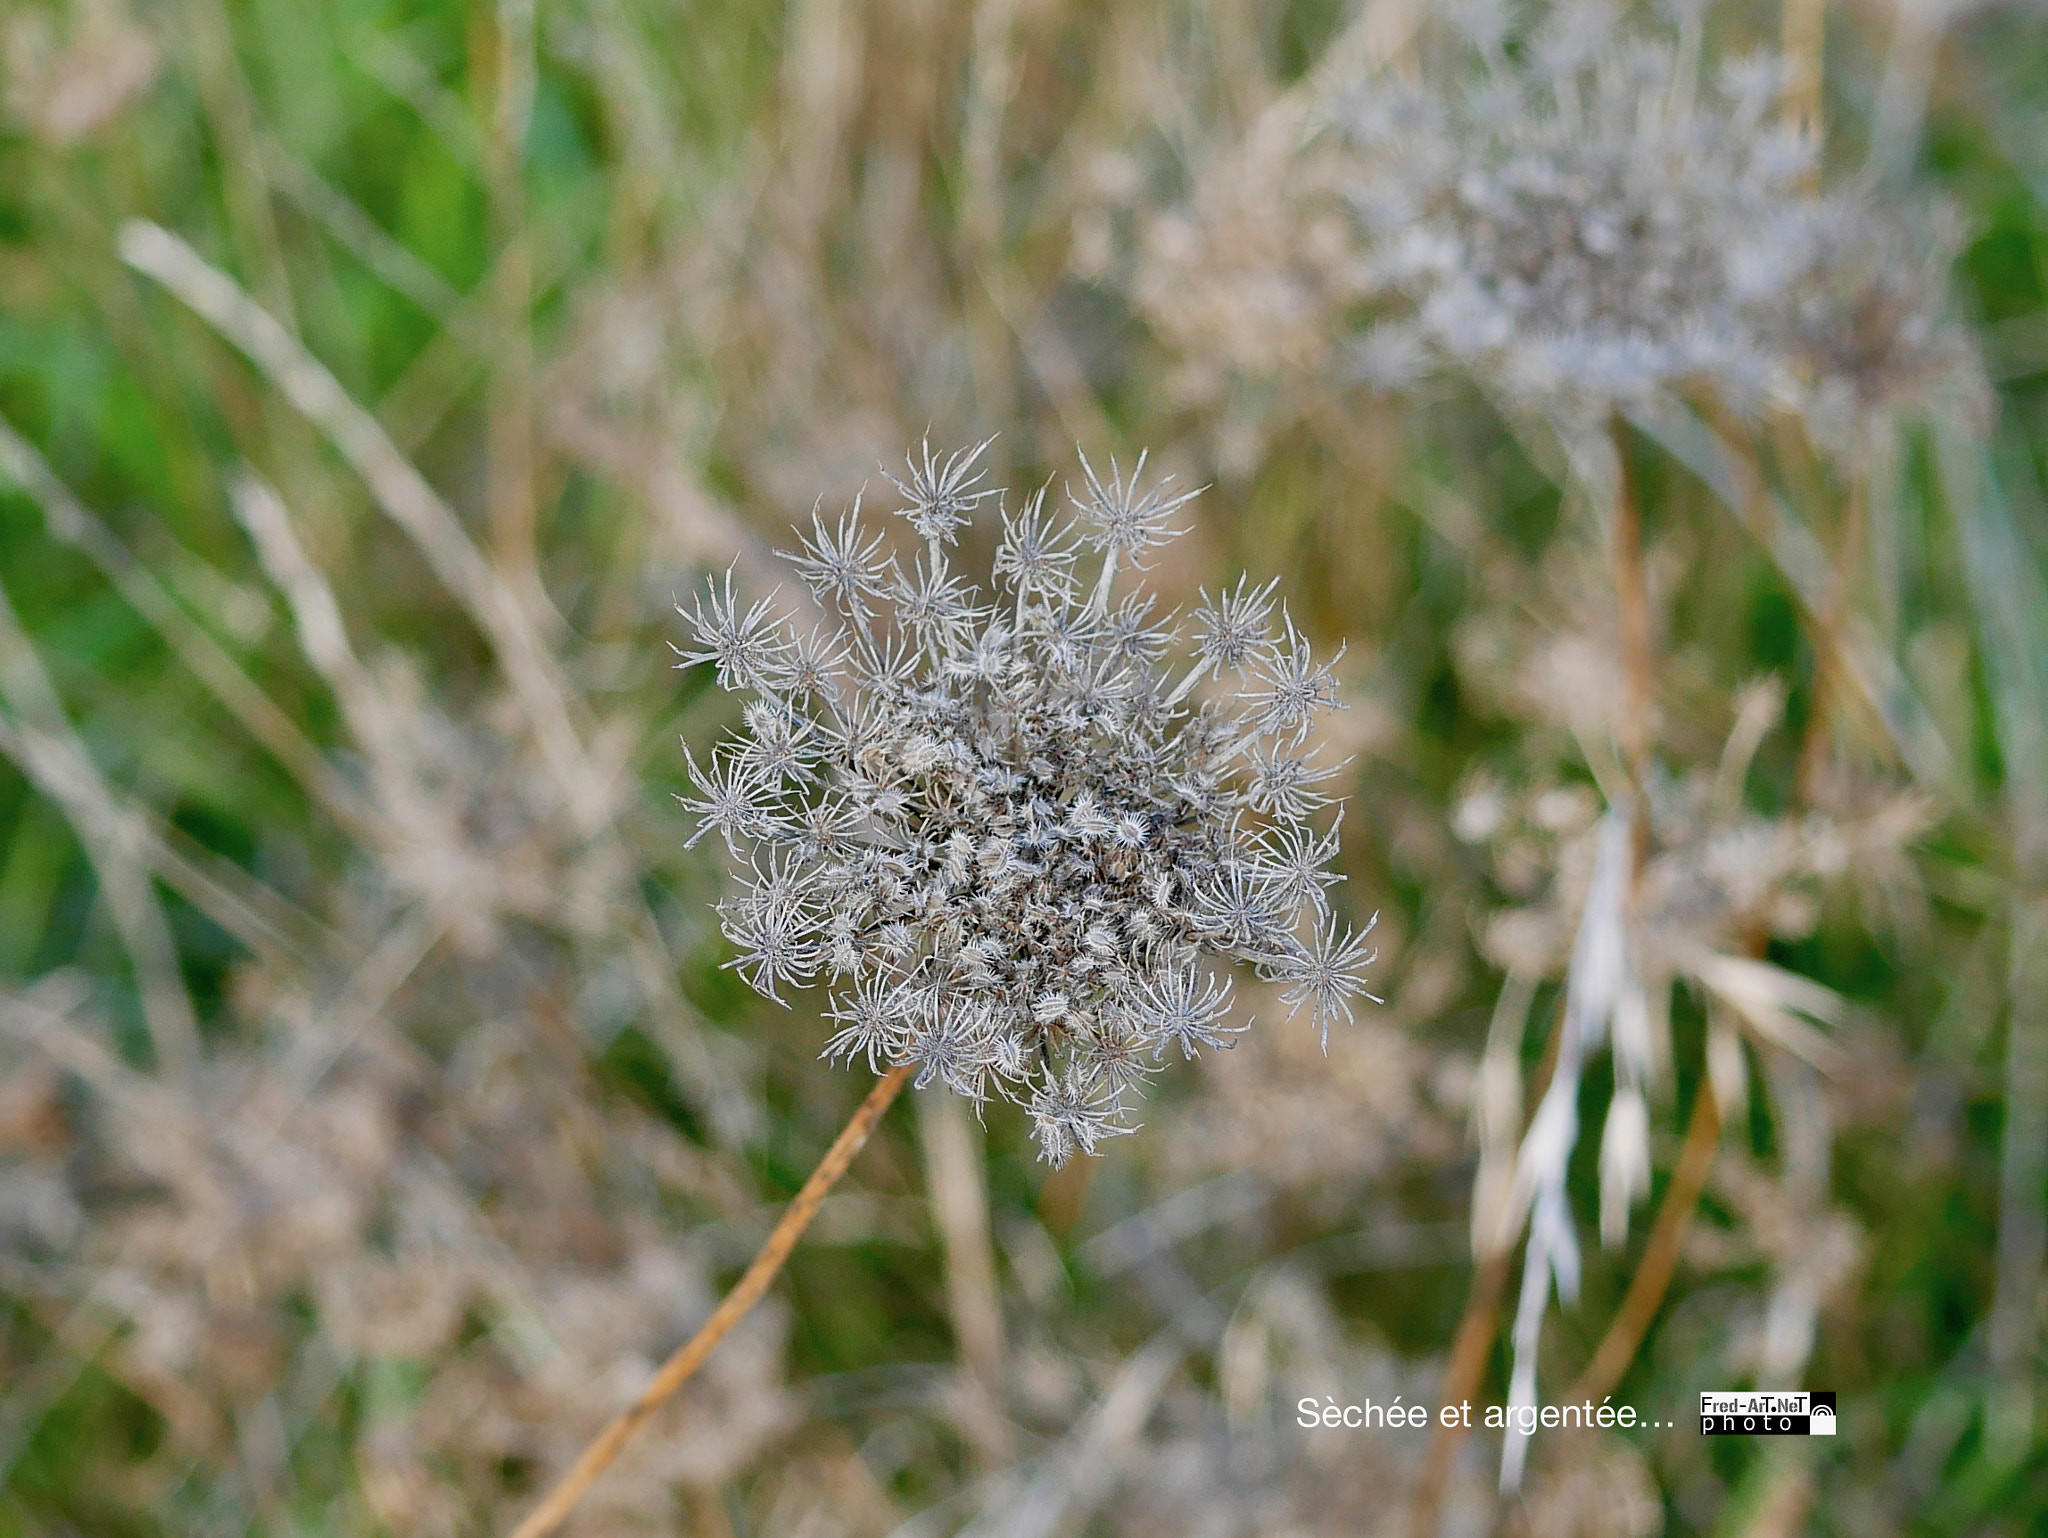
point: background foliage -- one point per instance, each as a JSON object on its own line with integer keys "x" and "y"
{"x": 373, "y": 1106}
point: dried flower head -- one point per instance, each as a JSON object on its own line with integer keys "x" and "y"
{"x": 1581, "y": 218}
{"x": 1015, "y": 849}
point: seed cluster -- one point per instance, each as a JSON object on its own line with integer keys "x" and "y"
{"x": 1578, "y": 214}
{"x": 1017, "y": 850}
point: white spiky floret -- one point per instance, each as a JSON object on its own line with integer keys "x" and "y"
{"x": 1015, "y": 849}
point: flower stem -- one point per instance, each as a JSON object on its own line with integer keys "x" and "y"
{"x": 1472, "y": 1348}
{"x": 1632, "y": 601}
{"x": 1470, "y": 1352}
{"x": 1647, "y": 1287}
{"x": 1831, "y": 648}
{"x": 676, "y": 1371}
{"x": 1805, "y": 34}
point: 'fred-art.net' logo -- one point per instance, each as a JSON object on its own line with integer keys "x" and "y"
{"x": 1769, "y": 1414}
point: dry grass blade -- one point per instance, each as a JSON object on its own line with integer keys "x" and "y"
{"x": 1758, "y": 708}
{"x": 1130, "y": 1242}
{"x": 389, "y": 261}
{"x": 253, "y": 913}
{"x": 587, "y": 792}
{"x": 1771, "y": 1001}
{"x": 1497, "y": 1115}
{"x": 69, "y": 521}
{"x": 1085, "y": 1467}
{"x": 1863, "y": 663}
{"x": 1659, "y": 1260}
{"x": 2014, "y": 622}
{"x": 416, "y": 405}
{"x": 956, "y": 1175}
{"x": 48, "y": 751}
{"x": 398, "y": 487}
{"x": 323, "y": 635}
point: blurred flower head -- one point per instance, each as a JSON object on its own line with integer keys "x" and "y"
{"x": 1573, "y": 211}
{"x": 1592, "y": 215}
{"x": 1020, "y": 852}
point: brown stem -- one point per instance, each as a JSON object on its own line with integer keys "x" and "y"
{"x": 1660, "y": 1255}
{"x": 508, "y": 49}
{"x": 1830, "y": 646}
{"x": 1752, "y": 507}
{"x": 1632, "y": 603}
{"x": 1470, "y": 1347}
{"x": 676, "y": 1371}
{"x": 1461, "y": 1381}
{"x": 1805, "y": 35}
{"x": 1481, "y": 1321}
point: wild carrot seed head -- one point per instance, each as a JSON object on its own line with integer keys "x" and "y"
{"x": 1593, "y": 215}
{"x": 1018, "y": 847}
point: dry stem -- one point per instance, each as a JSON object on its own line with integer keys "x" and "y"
{"x": 1805, "y": 35}
{"x": 1830, "y": 644}
{"x": 512, "y": 494}
{"x": 1481, "y": 1321}
{"x": 1632, "y": 603}
{"x": 2022, "y": 1225}
{"x": 1472, "y": 1345}
{"x": 676, "y": 1371}
{"x": 1469, "y": 1351}
{"x": 957, "y": 1176}
{"x": 1660, "y": 1255}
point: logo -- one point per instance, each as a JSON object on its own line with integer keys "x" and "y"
{"x": 1800, "y": 1414}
